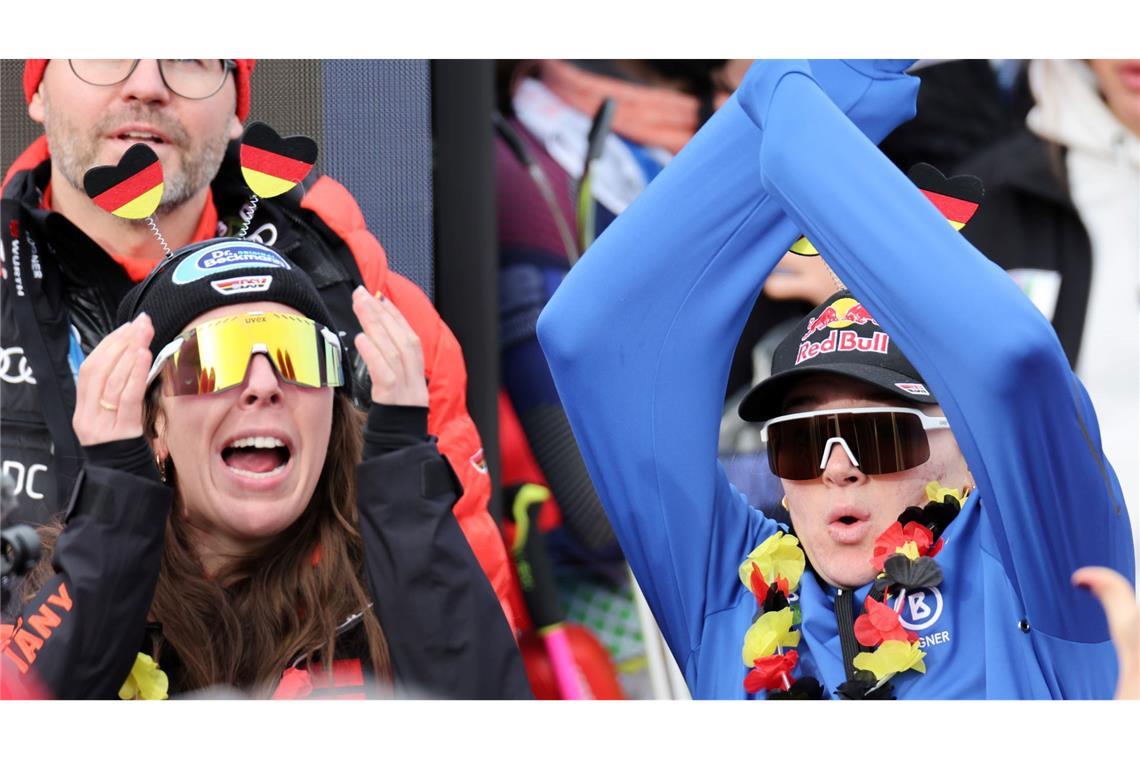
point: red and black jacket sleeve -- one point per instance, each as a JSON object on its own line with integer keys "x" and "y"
{"x": 444, "y": 625}
{"x": 79, "y": 636}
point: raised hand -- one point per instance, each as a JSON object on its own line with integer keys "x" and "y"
{"x": 112, "y": 384}
{"x": 1119, "y": 601}
{"x": 391, "y": 350}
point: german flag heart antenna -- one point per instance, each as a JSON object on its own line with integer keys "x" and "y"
{"x": 272, "y": 165}
{"x": 956, "y": 198}
{"x": 132, "y": 189}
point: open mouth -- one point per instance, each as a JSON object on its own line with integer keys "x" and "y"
{"x": 137, "y": 136}
{"x": 848, "y": 525}
{"x": 257, "y": 456}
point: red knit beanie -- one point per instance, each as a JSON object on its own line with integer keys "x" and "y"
{"x": 34, "y": 72}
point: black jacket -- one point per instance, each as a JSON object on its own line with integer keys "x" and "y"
{"x": 1027, "y": 220}
{"x": 80, "y": 634}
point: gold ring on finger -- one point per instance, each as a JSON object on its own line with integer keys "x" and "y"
{"x": 108, "y": 405}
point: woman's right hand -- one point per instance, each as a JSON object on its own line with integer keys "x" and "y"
{"x": 112, "y": 384}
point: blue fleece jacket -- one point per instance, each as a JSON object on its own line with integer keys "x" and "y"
{"x": 641, "y": 334}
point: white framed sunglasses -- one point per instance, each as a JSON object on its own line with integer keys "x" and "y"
{"x": 879, "y": 440}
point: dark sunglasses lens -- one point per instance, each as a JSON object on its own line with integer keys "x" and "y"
{"x": 883, "y": 442}
{"x": 790, "y": 447}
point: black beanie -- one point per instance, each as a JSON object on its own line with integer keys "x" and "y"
{"x": 218, "y": 272}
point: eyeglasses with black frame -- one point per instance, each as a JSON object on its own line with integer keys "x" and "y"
{"x": 193, "y": 79}
{"x": 877, "y": 440}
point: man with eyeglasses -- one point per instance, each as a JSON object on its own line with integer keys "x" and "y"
{"x": 92, "y": 111}
{"x": 69, "y": 263}
{"x": 889, "y": 602}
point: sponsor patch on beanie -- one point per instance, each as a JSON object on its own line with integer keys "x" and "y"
{"x": 917, "y": 389}
{"x": 256, "y": 283}
{"x": 225, "y": 257}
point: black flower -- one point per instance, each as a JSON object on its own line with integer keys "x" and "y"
{"x": 865, "y": 690}
{"x": 913, "y": 514}
{"x": 775, "y": 599}
{"x": 939, "y": 514}
{"x": 935, "y": 516}
{"x": 805, "y": 688}
{"x": 923, "y": 572}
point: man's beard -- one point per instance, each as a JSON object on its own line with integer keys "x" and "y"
{"x": 74, "y": 151}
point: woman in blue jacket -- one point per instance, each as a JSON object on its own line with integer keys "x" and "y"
{"x": 640, "y": 337}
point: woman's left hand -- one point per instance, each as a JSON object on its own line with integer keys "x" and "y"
{"x": 391, "y": 350}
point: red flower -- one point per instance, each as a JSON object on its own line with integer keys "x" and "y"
{"x": 760, "y": 588}
{"x": 772, "y": 672}
{"x": 897, "y": 536}
{"x": 880, "y": 623}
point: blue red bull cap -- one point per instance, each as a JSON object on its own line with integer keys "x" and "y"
{"x": 838, "y": 337}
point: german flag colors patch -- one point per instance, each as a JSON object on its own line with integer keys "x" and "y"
{"x": 273, "y": 165}
{"x": 132, "y": 189}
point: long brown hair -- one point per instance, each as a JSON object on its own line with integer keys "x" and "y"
{"x": 244, "y": 626}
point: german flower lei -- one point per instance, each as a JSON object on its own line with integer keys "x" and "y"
{"x": 903, "y": 555}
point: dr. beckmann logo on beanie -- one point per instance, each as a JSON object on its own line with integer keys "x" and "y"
{"x": 225, "y": 257}
{"x": 836, "y": 316}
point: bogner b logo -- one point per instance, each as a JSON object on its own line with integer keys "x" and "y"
{"x": 922, "y": 609}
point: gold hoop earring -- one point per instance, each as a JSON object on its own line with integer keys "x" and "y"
{"x": 784, "y": 502}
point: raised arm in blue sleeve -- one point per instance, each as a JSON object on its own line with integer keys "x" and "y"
{"x": 1021, "y": 418}
{"x": 640, "y": 337}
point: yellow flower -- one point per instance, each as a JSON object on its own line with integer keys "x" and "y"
{"x": 146, "y": 680}
{"x": 779, "y": 555}
{"x": 935, "y": 491}
{"x": 767, "y": 633}
{"x": 891, "y": 657}
{"x": 909, "y": 549}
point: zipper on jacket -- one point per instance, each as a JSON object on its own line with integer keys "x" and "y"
{"x": 845, "y": 620}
